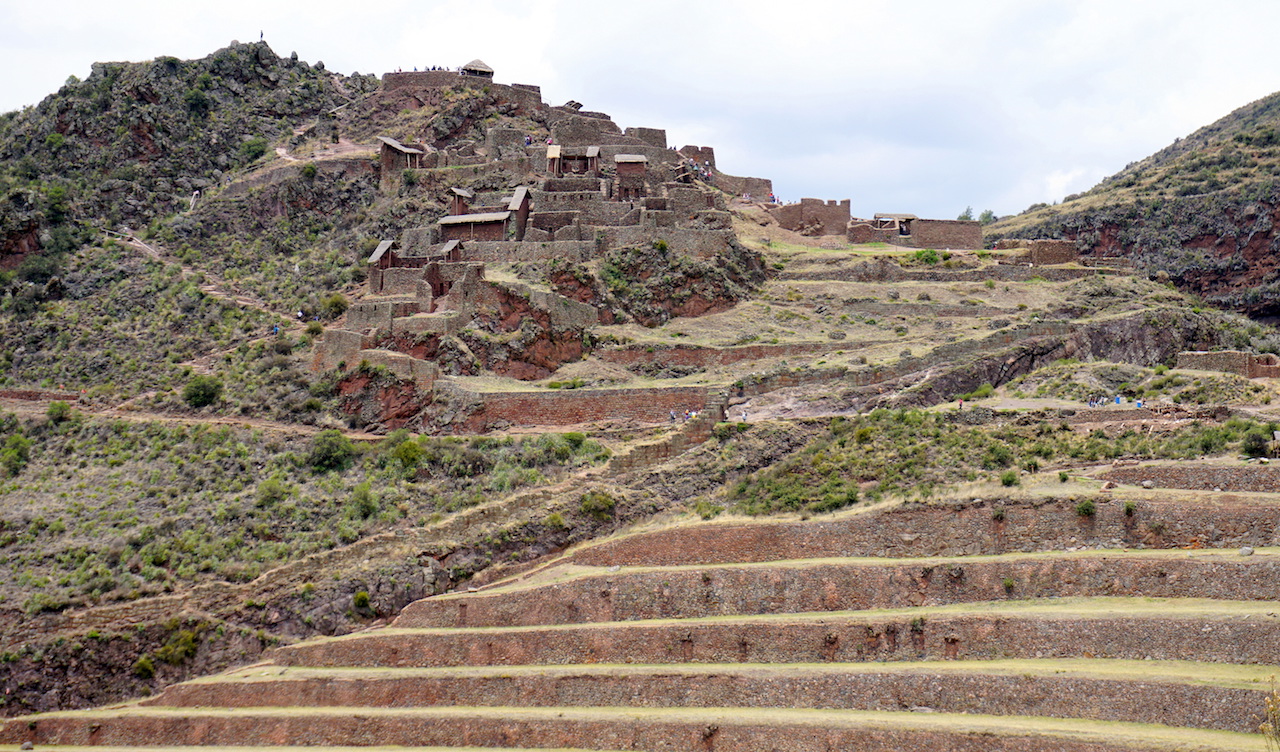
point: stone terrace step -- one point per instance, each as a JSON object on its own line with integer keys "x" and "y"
{"x": 721, "y": 729}
{"x": 278, "y": 748}
{"x": 950, "y": 530}
{"x": 1173, "y": 693}
{"x": 1126, "y": 628}
{"x": 598, "y": 595}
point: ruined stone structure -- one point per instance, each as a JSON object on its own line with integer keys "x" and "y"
{"x": 1042, "y": 252}
{"x": 813, "y": 216}
{"x": 1247, "y": 364}
{"x": 910, "y": 231}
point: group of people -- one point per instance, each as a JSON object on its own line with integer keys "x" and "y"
{"x": 703, "y": 169}
{"x": 432, "y": 68}
{"x": 1102, "y": 400}
{"x": 688, "y": 415}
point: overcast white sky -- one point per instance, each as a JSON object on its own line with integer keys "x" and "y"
{"x": 924, "y": 106}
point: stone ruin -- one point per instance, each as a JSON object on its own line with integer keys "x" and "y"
{"x": 1042, "y": 252}
{"x": 1247, "y": 364}
{"x": 596, "y": 187}
{"x": 815, "y": 217}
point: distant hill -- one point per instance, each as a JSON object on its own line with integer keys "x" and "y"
{"x": 1203, "y": 210}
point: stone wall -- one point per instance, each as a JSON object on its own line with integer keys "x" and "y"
{"x": 700, "y": 154}
{"x": 571, "y": 407}
{"x": 1042, "y": 252}
{"x": 338, "y": 347}
{"x": 813, "y": 216}
{"x": 701, "y": 243}
{"x": 1249, "y": 365}
{"x": 511, "y": 251}
{"x": 702, "y": 357}
{"x": 758, "y": 188}
{"x": 656, "y": 137}
{"x": 39, "y": 395}
{"x": 863, "y": 232}
{"x": 945, "y": 233}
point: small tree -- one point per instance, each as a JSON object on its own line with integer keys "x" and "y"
{"x": 987, "y": 217}
{"x": 58, "y": 411}
{"x": 330, "y": 450}
{"x": 202, "y": 391}
{"x": 967, "y": 214}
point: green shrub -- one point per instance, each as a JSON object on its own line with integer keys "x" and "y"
{"x": 334, "y": 306}
{"x": 555, "y": 521}
{"x": 1009, "y": 478}
{"x": 574, "y": 439}
{"x": 309, "y": 171}
{"x": 180, "y": 646}
{"x": 1008, "y": 584}
{"x": 927, "y": 256}
{"x": 1130, "y": 507}
{"x": 360, "y": 600}
{"x": 330, "y": 450}
{"x": 1063, "y": 476}
{"x": 1256, "y": 443}
{"x": 272, "y": 491}
{"x": 314, "y": 329}
{"x": 58, "y": 411}
{"x": 1086, "y": 508}
{"x": 202, "y": 390}
{"x": 597, "y": 504}
{"x": 252, "y": 148}
{"x": 15, "y": 455}
{"x": 982, "y": 392}
{"x": 144, "y": 668}
{"x": 364, "y": 504}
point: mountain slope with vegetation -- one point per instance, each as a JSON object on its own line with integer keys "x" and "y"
{"x": 1202, "y": 210}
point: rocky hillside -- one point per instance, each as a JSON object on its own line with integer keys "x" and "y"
{"x": 1203, "y": 210}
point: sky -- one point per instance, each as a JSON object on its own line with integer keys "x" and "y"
{"x": 920, "y": 106}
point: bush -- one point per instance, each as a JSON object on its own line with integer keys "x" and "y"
{"x": 144, "y": 668}
{"x": 16, "y": 453}
{"x": 927, "y": 256}
{"x": 363, "y": 502}
{"x": 58, "y": 411}
{"x": 309, "y": 171}
{"x": 1086, "y": 508}
{"x": 330, "y": 450}
{"x": 1063, "y": 476}
{"x": 314, "y": 329}
{"x": 272, "y": 491}
{"x": 334, "y": 306}
{"x": 982, "y": 392}
{"x": 1256, "y": 443}
{"x": 360, "y": 600}
{"x": 597, "y": 504}
{"x": 1009, "y": 478}
{"x": 201, "y": 391}
{"x": 252, "y": 148}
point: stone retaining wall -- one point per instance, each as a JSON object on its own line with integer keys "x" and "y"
{"x": 1246, "y": 479}
{"x": 571, "y": 407}
{"x": 585, "y": 730}
{"x": 993, "y": 526}
{"x": 1028, "y": 694}
{"x": 909, "y": 636}
{"x": 804, "y": 588}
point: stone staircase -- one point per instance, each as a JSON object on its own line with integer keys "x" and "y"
{"x": 976, "y": 630}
